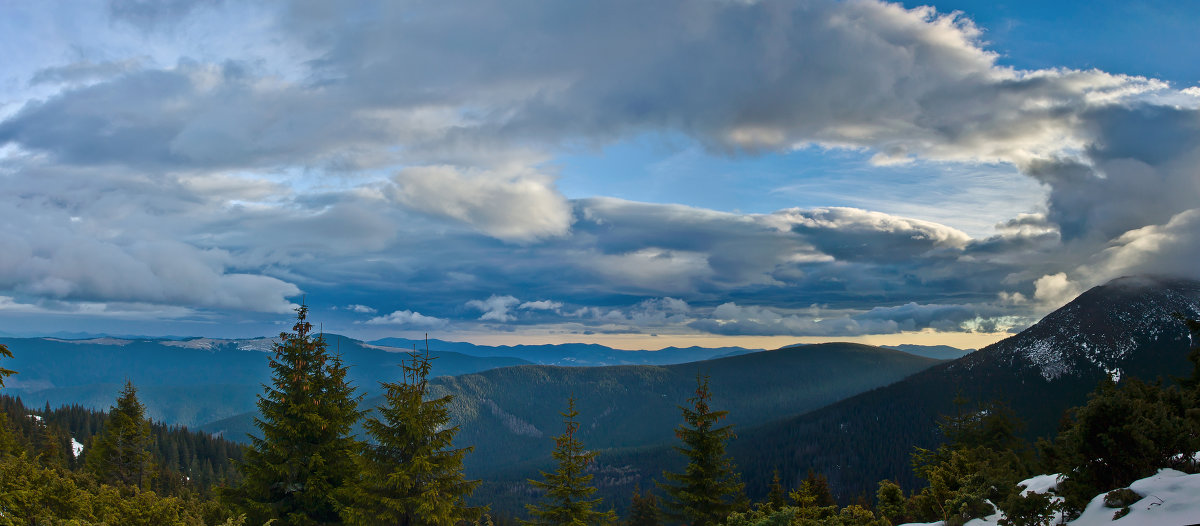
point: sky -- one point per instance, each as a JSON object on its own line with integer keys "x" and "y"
{"x": 639, "y": 174}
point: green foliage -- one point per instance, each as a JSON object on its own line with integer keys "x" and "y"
{"x": 981, "y": 463}
{"x": 959, "y": 485}
{"x": 411, "y": 474}
{"x": 1120, "y": 498}
{"x": 853, "y": 515}
{"x": 1125, "y": 432}
{"x": 776, "y": 495}
{"x": 813, "y": 491}
{"x": 33, "y": 494}
{"x": 708, "y": 489}
{"x": 890, "y": 502}
{"x": 567, "y": 490}
{"x": 4, "y": 352}
{"x": 299, "y": 471}
{"x": 643, "y": 510}
{"x": 120, "y": 454}
{"x": 1031, "y": 509}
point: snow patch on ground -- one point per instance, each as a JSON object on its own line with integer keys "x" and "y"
{"x": 1170, "y": 498}
{"x": 1040, "y": 484}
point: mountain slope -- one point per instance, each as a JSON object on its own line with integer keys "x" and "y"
{"x": 1122, "y": 328}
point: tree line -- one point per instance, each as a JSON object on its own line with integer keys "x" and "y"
{"x": 307, "y": 468}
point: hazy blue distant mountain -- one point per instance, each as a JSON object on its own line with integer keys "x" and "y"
{"x": 575, "y": 354}
{"x": 940, "y": 352}
{"x": 190, "y": 381}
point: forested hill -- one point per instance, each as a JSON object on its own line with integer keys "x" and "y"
{"x": 1125, "y": 328}
{"x": 63, "y": 436}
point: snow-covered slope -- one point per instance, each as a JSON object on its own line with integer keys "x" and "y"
{"x": 1101, "y": 329}
{"x": 1169, "y": 498}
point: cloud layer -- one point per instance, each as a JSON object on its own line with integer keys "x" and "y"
{"x": 403, "y": 158}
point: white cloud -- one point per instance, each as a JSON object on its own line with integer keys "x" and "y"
{"x": 361, "y": 309}
{"x": 495, "y": 308}
{"x": 542, "y": 305}
{"x": 512, "y": 205}
{"x": 1054, "y": 290}
{"x": 407, "y": 318}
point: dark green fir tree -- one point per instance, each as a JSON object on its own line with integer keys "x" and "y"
{"x": 708, "y": 489}
{"x": 8, "y": 442}
{"x": 5, "y": 353}
{"x": 121, "y": 453}
{"x": 776, "y": 495}
{"x": 568, "y": 489}
{"x": 412, "y": 474}
{"x": 299, "y": 471}
{"x": 643, "y": 510}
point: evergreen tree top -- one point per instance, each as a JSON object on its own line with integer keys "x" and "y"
{"x": 708, "y": 489}
{"x": 4, "y": 352}
{"x": 299, "y": 470}
{"x": 568, "y": 489}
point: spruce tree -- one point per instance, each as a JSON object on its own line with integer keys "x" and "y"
{"x": 412, "y": 475}
{"x": 708, "y": 489}
{"x": 121, "y": 453}
{"x": 4, "y": 352}
{"x": 776, "y": 495}
{"x": 8, "y": 442}
{"x": 643, "y": 510}
{"x": 814, "y": 491}
{"x": 567, "y": 490}
{"x": 299, "y": 471}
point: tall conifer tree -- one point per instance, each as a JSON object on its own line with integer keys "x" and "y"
{"x": 708, "y": 489}
{"x": 412, "y": 476}
{"x": 5, "y": 353}
{"x": 298, "y": 472}
{"x": 121, "y": 453}
{"x": 567, "y": 489}
{"x": 8, "y": 442}
{"x": 643, "y": 510}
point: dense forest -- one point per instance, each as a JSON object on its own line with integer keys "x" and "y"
{"x": 307, "y": 466}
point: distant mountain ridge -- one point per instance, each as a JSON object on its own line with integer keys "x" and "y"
{"x": 574, "y": 354}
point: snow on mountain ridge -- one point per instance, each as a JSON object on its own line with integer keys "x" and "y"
{"x": 95, "y": 341}
{"x": 1101, "y": 329}
{"x": 209, "y": 344}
